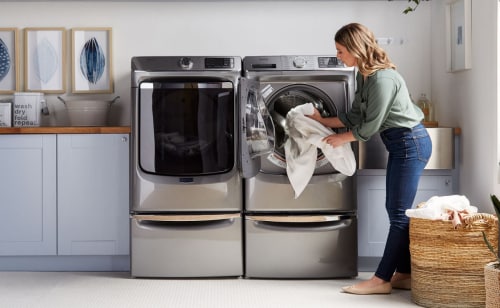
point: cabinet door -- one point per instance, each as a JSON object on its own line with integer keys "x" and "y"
{"x": 373, "y": 223}
{"x": 93, "y": 194}
{"x": 28, "y": 195}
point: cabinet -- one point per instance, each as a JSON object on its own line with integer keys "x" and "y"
{"x": 28, "y": 195}
{"x": 64, "y": 194}
{"x": 373, "y": 223}
{"x": 92, "y": 195}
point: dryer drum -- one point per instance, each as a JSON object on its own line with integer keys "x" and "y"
{"x": 290, "y": 97}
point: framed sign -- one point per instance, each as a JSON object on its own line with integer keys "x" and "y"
{"x": 9, "y": 61}
{"x": 458, "y": 32}
{"x": 91, "y": 60}
{"x": 44, "y": 60}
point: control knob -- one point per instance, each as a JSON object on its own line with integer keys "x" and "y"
{"x": 299, "y": 62}
{"x": 186, "y": 63}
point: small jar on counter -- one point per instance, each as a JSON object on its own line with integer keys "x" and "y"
{"x": 427, "y": 108}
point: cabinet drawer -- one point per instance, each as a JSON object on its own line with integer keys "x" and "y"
{"x": 318, "y": 248}
{"x": 176, "y": 246}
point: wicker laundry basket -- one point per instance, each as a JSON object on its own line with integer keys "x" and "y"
{"x": 448, "y": 263}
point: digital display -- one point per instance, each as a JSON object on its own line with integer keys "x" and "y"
{"x": 219, "y": 63}
{"x": 326, "y": 62}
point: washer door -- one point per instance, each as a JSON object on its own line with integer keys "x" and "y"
{"x": 280, "y": 103}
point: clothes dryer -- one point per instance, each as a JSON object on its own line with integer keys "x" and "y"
{"x": 314, "y": 235}
{"x": 186, "y": 188}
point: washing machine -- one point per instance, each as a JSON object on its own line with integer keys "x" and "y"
{"x": 315, "y": 234}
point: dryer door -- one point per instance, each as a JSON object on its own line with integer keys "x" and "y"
{"x": 257, "y": 127}
{"x": 186, "y": 127}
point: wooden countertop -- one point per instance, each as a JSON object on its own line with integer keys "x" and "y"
{"x": 66, "y": 130}
{"x": 99, "y": 129}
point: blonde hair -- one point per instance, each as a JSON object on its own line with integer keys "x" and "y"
{"x": 360, "y": 43}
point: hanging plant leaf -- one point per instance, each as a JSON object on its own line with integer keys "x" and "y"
{"x": 410, "y": 8}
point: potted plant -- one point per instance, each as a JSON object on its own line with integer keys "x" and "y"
{"x": 492, "y": 269}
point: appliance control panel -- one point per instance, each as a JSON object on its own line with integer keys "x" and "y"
{"x": 206, "y": 63}
{"x": 291, "y": 63}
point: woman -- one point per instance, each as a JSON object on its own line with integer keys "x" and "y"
{"x": 382, "y": 105}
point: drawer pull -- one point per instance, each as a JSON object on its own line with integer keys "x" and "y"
{"x": 185, "y": 218}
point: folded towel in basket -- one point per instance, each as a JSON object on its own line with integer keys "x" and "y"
{"x": 305, "y": 136}
{"x": 443, "y": 208}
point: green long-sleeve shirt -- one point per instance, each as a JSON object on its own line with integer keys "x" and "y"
{"x": 381, "y": 102}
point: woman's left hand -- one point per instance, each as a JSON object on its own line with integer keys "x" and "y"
{"x": 336, "y": 140}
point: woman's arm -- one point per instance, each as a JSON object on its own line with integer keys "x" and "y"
{"x": 332, "y": 122}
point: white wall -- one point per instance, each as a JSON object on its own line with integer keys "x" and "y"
{"x": 469, "y": 100}
{"x": 229, "y": 28}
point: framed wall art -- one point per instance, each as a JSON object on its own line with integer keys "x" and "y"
{"x": 91, "y": 60}
{"x": 9, "y": 61}
{"x": 458, "y": 32}
{"x": 45, "y": 60}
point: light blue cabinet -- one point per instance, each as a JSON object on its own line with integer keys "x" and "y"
{"x": 373, "y": 223}
{"x": 28, "y": 195}
{"x": 92, "y": 194}
{"x": 64, "y": 194}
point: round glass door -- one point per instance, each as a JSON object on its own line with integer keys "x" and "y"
{"x": 292, "y": 96}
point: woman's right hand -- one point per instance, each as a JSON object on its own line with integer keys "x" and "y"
{"x": 333, "y": 122}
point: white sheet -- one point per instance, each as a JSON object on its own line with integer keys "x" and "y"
{"x": 305, "y": 136}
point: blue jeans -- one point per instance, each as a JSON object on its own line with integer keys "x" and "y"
{"x": 409, "y": 150}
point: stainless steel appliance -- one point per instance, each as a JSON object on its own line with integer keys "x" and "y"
{"x": 186, "y": 189}
{"x": 315, "y": 235}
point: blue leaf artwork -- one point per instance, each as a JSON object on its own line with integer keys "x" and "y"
{"x": 92, "y": 61}
{"x": 4, "y": 60}
{"x": 45, "y": 60}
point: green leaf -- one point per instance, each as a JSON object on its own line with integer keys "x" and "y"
{"x": 496, "y": 204}
{"x": 412, "y": 9}
{"x": 490, "y": 247}
{"x": 407, "y": 10}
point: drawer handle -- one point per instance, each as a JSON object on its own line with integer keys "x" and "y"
{"x": 301, "y": 226}
{"x": 185, "y": 218}
{"x": 298, "y": 218}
